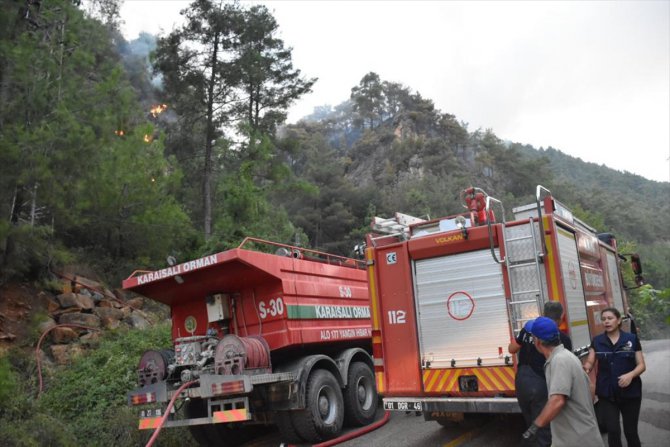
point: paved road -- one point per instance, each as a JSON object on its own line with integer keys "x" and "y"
{"x": 412, "y": 431}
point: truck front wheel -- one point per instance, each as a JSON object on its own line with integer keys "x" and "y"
{"x": 360, "y": 395}
{"x": 323, "y": 416}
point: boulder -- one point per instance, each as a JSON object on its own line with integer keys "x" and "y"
{"x": 90, "y": 338}
{"x": 67, "y": 300}
{"x": 126, "y": 311}
{"x": 85, "y": 301}
{"x": 108, "y": 313}
{"x": 52, "y": 305}
{"x": 61, "y": 335}
{"x": 70, "y": 310}
{"x": 120, "y": 294}
{"x": 97, "y": 297}
{"x": 136, "y": 303}
{"x": 46, "y": 325}
{"x": 85, "y": 283}
{"x": 105, "y": 303}
{"x": 76, "y": 300}
{"x": 137, "y": 321}
{"x": 63, "y": 354}
{"x": 110, "y": 323}
{"x": 7, "y": 336}
{"x": 81, "y": 319}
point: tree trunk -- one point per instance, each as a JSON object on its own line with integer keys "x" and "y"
{"x": 207, "y": 171}
{"x": 33, "y": 205}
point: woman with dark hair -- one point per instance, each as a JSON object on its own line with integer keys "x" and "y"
{"x": 618, "y": 384}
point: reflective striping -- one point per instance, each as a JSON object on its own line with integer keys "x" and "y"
{"x": 440, "y": 385}
{"x": 230, "y": 416}
{"x": 378, "y": 362}
{"x": 372, "y": 288}
{"x": 483, "y": 380}
{"x": 380, "y": 382}
{"x": 434, "y": 376}
{"x": 496, "y": 378}
{"x": 493, "y": 378}
{"x": 376, "y": 338}
{"x": 554, "y": 295}
{"x": 149, "y": 423}
{"x": 579, "y": 323}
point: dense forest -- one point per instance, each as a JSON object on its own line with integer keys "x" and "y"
{"x": 116, "y": 154}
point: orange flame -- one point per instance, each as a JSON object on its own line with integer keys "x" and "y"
{"x": 147, "y": 139}
{"x": 119, "y": 133}
{"x": 158, "y": 109}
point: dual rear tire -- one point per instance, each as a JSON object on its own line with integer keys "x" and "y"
{"x": 328, "y": 408}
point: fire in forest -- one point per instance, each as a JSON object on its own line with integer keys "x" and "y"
{"x": 158, "y": 109}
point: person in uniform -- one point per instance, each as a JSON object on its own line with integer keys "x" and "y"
{"x": 618, "y": 384}
{"x": 569, "y": 408}
{"x": 530, "y": 382}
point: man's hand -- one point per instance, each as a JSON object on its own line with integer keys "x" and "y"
{"x": 529, "y": 435}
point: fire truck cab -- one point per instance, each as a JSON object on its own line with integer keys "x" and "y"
{"x": 449, "y": 294}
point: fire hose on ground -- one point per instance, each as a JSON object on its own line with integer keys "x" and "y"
{"x": 355, "y": 434}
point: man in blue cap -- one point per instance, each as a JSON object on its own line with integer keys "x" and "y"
{"x": 569, "y": 408}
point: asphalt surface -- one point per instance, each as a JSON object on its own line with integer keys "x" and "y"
{"x": 411, "y": 430}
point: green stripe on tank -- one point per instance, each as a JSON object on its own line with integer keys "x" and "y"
{"x": 329, "y": 312}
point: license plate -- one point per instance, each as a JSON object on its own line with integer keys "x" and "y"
{"x": 407, "y": 406}
{"x": 151, "y": 413}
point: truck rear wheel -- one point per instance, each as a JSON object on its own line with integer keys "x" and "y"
{"x": 323, "y": 416}
{"x": 360, "y": 396}
{"x": 288, "y": 432}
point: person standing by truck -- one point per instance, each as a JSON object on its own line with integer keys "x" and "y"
{"x": 530, "y": 382}
{"x": 618, "y": 384}
{"x": 569, "y": 409}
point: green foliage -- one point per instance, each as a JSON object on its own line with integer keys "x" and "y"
{"x": 8, "y": 383}
{"x": 37, "y": 430}
{"x": 651, "y": 309}
{"x": 77, "y": 175}
{"x": 91, "y": 393}
{"x": 241, "y": 77}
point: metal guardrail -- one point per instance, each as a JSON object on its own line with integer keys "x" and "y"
{"x": 305, "y": 253}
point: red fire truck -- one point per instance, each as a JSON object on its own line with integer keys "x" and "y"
{"x": 449, "y": 294}
{"x": 267, "y": 333}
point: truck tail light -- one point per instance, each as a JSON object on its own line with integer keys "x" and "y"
{"x": 143, "y": 398}
{"x": 235, "y": 387}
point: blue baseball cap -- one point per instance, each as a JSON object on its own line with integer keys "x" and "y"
{"x": 543, "y": 328}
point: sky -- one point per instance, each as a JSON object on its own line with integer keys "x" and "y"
{"x": 591, "y": 79}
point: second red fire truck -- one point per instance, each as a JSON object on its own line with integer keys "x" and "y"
{"x": 448, "y": 295}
